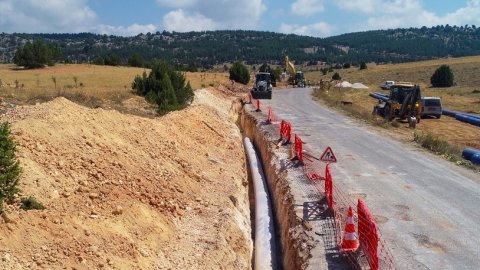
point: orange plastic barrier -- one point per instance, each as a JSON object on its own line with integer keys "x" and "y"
{"x": 285, "y": 131}
{"x": 270, "y": 115}
{"x": 329, "y": 186}
{"x": 298, "y": 148}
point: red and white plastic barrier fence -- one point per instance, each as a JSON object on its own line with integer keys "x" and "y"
{"x": 368, "y": 235}
{"x": 375, "y": 250}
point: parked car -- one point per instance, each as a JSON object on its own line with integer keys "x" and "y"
{"x": 387, "y": 84}
{"x": 431, "y": 106}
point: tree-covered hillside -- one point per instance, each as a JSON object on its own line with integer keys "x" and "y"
{"x": 205, "y": 49}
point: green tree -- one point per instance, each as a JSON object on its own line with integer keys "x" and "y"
{"x": 9, "y": 166}
{"x": 264, "y": 68}
{"x": 136, "y": 60}
{"x": 443, "y": 77}
{"x": 36, "y": 54}
{"x": 363, "y": 65}
{"x": 277, "y": 73}
{"x": 165, "y": 87}
{"x": 99, "y": 61}
{"x": 336, "y": 76}
{"x": 113, "y": 60}
{"x": 346, "y": 65}
{"x": 239, "y": 73}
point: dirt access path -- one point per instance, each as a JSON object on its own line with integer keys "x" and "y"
{"x": 126, "y": 192}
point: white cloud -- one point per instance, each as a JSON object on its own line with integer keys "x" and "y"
{"x": 367, "y": 6}
{"x": 320, "y": 29}
{"x": 214, "y": 14}
{"x": 307, "y": 7}
{"x": 467, "y": 15}
{"x": 131, "y": 30}
{"x": 176, "y": 3}
{"x": 181, "y": 21}
{"x": 407, "y": 13}
{"x": 59, "y": 16}
{"x": 45, "y": 16}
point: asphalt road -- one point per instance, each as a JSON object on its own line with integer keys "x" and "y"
{"x": 428, "y": 208}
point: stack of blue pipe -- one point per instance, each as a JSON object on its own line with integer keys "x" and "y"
{"x": 379, "y": 96}
{"x": 467, "y": 118}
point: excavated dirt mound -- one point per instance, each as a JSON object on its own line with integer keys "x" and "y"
{"x": 126, "y": 192}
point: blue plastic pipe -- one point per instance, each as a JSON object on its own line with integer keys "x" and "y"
{"x": 449, "y": 112}
{"x": 467, "y": 118}
{"x": 471, "y": 154}
{"x": 380, "y": 96}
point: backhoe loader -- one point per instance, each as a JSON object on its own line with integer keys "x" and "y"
{"x": 404, "y": 101}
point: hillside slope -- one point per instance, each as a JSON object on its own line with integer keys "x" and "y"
{"x": 125, "y": 192}
{"x": 208, "y": 48}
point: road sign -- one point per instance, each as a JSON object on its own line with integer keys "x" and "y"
{"x": 328, "y": 155}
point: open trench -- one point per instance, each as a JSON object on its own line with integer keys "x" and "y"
{"x": 294, "y": 239}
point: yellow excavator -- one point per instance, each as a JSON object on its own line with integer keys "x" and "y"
{"x": 296, "y": 77}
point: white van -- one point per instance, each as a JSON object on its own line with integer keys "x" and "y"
{"x": 431, "y": 106}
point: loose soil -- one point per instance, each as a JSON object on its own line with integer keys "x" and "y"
{"x": 127, "y": 192}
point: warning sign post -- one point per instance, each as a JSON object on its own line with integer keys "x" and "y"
{"x": 328, "y": 156}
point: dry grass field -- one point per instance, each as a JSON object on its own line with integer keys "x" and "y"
{"x": 91, "y": 80}
{"x": 89, "y": 85}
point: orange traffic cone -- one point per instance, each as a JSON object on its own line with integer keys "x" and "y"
{"x": 350, "y": 239}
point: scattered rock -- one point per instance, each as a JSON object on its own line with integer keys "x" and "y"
{"x": 144, "y": 252}
{"x": 55, "y": 195}
{"x": 7, "y": 218}
{"x": 118, "y": 210}
{"x": 93, "y": 195}
{"x": 6, "y": 257}
{"x": 233, "y": 200}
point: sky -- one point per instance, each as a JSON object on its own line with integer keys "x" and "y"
{"x": 319, "y": 18}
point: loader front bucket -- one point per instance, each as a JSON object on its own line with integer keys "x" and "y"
{"x": 261, "y": 94}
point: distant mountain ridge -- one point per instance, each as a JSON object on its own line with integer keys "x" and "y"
{"x": 205, "y": 49}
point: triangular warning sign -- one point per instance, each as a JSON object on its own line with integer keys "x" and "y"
{"x": 328, "y": 155}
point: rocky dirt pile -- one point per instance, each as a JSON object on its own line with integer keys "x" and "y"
{"x": 126, "y": 192}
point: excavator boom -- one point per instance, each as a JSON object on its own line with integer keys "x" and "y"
{"x": 290, "y": 66}
{"x": 295, "y": 77}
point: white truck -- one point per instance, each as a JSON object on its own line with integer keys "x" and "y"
{"x": 386, "y": 85}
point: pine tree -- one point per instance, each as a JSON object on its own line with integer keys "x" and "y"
{"x": 443, "y": 77}
{"x": 239, "y": 73}
{"x": 167, "y": 100}
{"x": 336, "y": 76}
{"x": 9, "y": 166}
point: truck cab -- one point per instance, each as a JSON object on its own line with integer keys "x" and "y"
{"x": 387, "y": 84}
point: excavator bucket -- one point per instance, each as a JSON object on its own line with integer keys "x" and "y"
{"x": 261, "y": 94}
